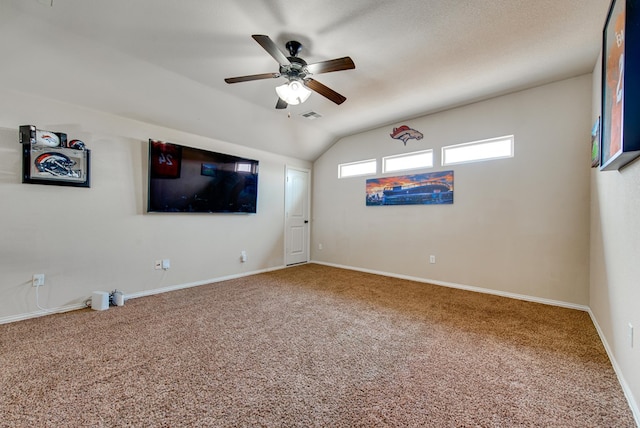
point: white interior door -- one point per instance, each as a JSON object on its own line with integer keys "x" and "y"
{"x": 297, "y": 203}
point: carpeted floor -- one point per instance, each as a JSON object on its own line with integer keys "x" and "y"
{"x": 310, "y": 346}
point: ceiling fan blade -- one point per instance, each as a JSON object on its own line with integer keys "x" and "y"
{"x": 252, "y": 77}
{"x": 325, "y": 91}
{"x": 271, "y": 48}
{"x": 281, "y": 104}
{"x": 337, "y": 64}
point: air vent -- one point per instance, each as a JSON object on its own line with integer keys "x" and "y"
{"x": 311, "y": 115}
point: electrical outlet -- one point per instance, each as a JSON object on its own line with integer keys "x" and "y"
{"x": 432, "y": 259}
{"x": 320, "y": 247}
{"x": 243, "y": 256}
{"x": 158, "y": 264}
{"x": 38, "y": 280}
{"x": 166, "y": 264}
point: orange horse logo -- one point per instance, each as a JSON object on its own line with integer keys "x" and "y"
{"x": 405, "y": 134}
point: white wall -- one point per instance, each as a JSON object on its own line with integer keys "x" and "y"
{"x": 615, "y": 270}
{"x": 517, "y": 225}
{"x": 101, "y": 238}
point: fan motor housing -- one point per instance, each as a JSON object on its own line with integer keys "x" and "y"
{"x": 296, "y": 69}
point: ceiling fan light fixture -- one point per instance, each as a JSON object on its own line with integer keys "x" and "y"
{"x": 293, "y": 92}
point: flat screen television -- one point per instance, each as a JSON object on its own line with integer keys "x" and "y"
{"x": 187, "y": 180}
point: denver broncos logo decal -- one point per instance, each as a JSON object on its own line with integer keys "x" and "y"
{"x": 405, "y": 134}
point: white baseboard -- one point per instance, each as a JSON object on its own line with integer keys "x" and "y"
{"x": 76, "y": 306}
{"x": 40, "y": 313}
{"x": 197, "y": 283}
{"x": 464, "y": 287}
{"x": 616, "y": 368}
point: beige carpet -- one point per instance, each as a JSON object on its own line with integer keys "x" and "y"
{"x": 310, "y": 346}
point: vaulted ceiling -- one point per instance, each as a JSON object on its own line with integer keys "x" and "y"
{"x": 164, "y": 61}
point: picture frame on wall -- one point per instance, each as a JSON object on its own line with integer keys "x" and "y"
{"x": 620, "y": 132}
{"x": 55, "y": 165}
{"x": 431, "y": 188}
{"x": 595, "y": 144}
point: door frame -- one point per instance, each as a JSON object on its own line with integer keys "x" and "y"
{"x": 287, "y": 168}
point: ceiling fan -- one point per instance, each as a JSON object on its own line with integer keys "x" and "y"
{"x": 298, "y": 73}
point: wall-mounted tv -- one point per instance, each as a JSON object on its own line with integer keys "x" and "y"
{"x": 184, "y": 179}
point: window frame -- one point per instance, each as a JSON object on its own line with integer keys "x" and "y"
{"x": 360, "y": 162}
{"x": 510, "y": 138}
{"x": 407, "y": 155}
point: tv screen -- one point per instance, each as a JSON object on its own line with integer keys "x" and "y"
{"x": 185, "y": 179}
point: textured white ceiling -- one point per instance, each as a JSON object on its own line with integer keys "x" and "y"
{"x": 164, "y": 61}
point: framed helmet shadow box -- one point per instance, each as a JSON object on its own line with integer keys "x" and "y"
{"x": 49, "y": 158}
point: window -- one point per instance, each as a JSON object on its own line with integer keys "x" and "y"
{"x": 406, "y": 161}
{"x": 353, "y": 169}
{"x": 476, "y": 151}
